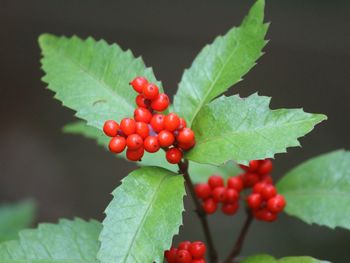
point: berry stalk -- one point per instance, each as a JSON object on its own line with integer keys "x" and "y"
{"x": 183, "y": 169}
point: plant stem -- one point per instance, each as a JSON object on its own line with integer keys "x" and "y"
{"x": 236, "y": 250}
{"x": 183, "y": 169}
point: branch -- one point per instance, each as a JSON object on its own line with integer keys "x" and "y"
{"x": 183, "y": 169}
{"x": 236, "y": 250}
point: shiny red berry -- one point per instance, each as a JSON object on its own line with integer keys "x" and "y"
{"x": 128, "y": 126}
{"x": 267, "y": 179}
{"x": 110, "y": 128}
{"x": 259, "y": 187}
{"x": 219, "y": 194}
{"x": 166, "y": 138}
{"x": 201, "y": 260}
{"x": 150, "y": 91}
{"x": 186, "y": 136}
{"x": 209, "y": 206}
{"x": 250, "y": 179}
{"x": 183, "y": 256}
{"x": 265, "y": 215}
{"x": 215, "y": 181}
{"x": 265, "y": 167}
{"x": 183, "y": 124}
{"x": 276, "y": 204}
{"x": 170, "y": 255}
{"x": 134, "y": 141}
{"x": 142, "y": 129}
{"x": 235, "y": 182}
{"x": 230, "y": 208}
{"x": 117, "y": 144}
{"x": 174, "y": 155}
{"x": 151, "y": 144}
{"x": 185, "y": 245}
{"x": 203, "y": 190}
{"x": 268, "y": 192}
{"x": 157, "y": 122}
{"x": 135, "y": 155}
{"x": 139, "y": 83}
{"x": 171, "y": 122}
{"x": 231, "y": 195}
{"x": 187, "y": 146}
{"x": 254, "y": 200}
{"x": 142, "y": 114}
{"x": 141, "y": 101}
{"x": 197, "y": 249}
{"x": 161, "y": 103}
{"x": 253, "y": 165}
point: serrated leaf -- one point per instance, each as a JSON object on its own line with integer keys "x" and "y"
{"x": 222, "y": 64}
{"x": 68, "y": 241}
{"x": 318, "y": 190}
{"x": 144, "y": 215}
{"x": 91, "y": 77}
{"x": 270, "y": 259}
{"x": 243, "y": 129}
{"x": 15, "y": 217}
{"x": 199, "y": 172}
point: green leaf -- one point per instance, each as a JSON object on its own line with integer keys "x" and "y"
{"x": 222, "y": 64}
{"x": 318, "y": 190}
{"x": 270, "y": 259}
{"x": 143, "y": 217}
{"x": 91, "y": 77}
{"x": 15, "y": 217}
{"x": 68, "y": 241}
{"x": 243, "y": 129}
{"x": 199, "y": 172}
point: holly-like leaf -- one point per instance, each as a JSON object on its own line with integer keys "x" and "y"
{"x": 271, "y": 259}
{"x": 144, "y": 215}
{"x": 318, "y": 190}
{"x": 243, "y": 129}
{"x": 222, "y": 64}
{"x": 66, "y": 242}
{"x": 91, "y": 77}
{"x": 15, "y": 217}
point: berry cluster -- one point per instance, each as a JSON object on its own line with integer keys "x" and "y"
{"x": 263, "y": 200}
{"x": 215, "y": 192}
{"x": 150, "y": 130}
{"x": 186, "y": 252}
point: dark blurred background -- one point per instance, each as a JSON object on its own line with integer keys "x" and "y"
{"x": 306, "y": 65}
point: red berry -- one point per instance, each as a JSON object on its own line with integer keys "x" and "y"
{"x": 250, "y": 179}
{"x": 235, "y": 182}
{"x": 184, "y": 245}
{"x": 141, "y": 101}
{"x": 267, "y": 179}
{"x": 253, "y": 165}
{"x": 161, "y": 103}
{"x": 166, "y": 138}
{"x": 231, "y": 195}
{"x": 219, "y": 194}
{"x": 198, "y": 260}
{"x": 183, "y": 256}
{"x": 157, "y": 122}
{"x": 151, "y": 144}
{"x": 187, "y": 146}
{"x": 117, "y": 144}
{"x": 174, "y": 155}
{"x": 150, "y": 91}
{"x": 254, "y": 200}
{"x": 183, "y": 124}
{"x": 209, "y": 206}
{"x": 110, "y": 128}
{"x": 170, "y": 255}
{"x": 142, "y": 114}
{"x": 265, "y": 167}
{"x": 276, "y": 204}
{"x": 215, "y": 181}
{"x": 230, "y": 208}
{"x": 259, "y": 187}
{"x": 134, "y": 141}
{"x": 268, "y": 192}
{"x": 203, "y": 191}
{"x": 171, "y": 122}
{"x": 139, "y": 83}
{"x": 142, "y": 129}
{"x": 197, "y": 249}
{"x": 135, "y": 155}
{"x": 128, "y": 126}
{"x": 265, "y": 215}
{"x": 186, "y": 136}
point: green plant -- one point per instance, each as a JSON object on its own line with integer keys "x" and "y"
{"x": 92, "y": 78}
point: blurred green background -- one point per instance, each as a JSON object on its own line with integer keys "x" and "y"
{"x": 306, "y": 65}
